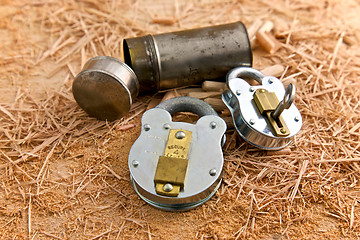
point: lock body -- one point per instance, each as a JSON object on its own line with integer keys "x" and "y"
{"x": 253, "y": 108}
{"x": 177, "y": 165}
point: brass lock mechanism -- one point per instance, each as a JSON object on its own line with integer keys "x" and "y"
{"x": 259, "y": 117}
{"x": 171, "y": 168}
{"x": 267, "y": 104}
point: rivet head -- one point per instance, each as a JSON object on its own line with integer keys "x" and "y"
{"x": 282, "y": 130}
{"x": 252, "y": 89}
{"x": 212, "y": 172}
{"x": 167, "y": 187}
{"x": 297, "y": 118}
{"x": 180, "y": 135}
{"x": 270, "y": 81}
{"x": 135, "y": 163}
{"x": 147, "y": 127}
{"x": 166, "y": 126}
{"x": 252, "y": 121}
{"x": 238, "y": 92}
{"x": 213, "y": 125}
{"x": 262, "y": 90}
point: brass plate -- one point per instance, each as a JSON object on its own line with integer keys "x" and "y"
{"x": 267, "y": 102}
{"x": 178, "y": 148}
{"x": 171, "y": 170}
{"x": 172, "y": 167}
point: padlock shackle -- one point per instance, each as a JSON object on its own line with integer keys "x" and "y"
{"x": 187, "y": 104}
{"x": 245, "y": 72}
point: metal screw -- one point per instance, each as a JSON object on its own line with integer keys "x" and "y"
{"x": 238, "y": 92}
{"x": 252, "y": 89}
{"x": 167, "y": 187}
{"x": 166, "y": 126}
{"x": 147, "y": 127}
{"x": 297, "y": 119}
{"x": 252, "y": 121}
{"x": 270, "y": 81}
{"x": 180, "y": 135}
{"x": 212, "y": 172}
{"x": 135, "y": 163}
{"x": 282, "y": 130}
{"x": 213, "y": 125}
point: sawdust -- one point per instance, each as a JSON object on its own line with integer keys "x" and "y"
{"x": 64, "y": 175}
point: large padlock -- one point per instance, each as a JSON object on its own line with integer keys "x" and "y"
{"x": 259, "y": 116}
{"x": 178, "y": 165}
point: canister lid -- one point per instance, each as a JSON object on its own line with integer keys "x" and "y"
{"x": 105, "y": 88}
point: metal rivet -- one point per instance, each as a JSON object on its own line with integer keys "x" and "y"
{"x": 297, "y": 119}
{"x": 213, "y": 125}
{"x": 252, "y": 89}
{"x": 282, "y": 130}
{"x": 212, "y": 172}
{"x": 262, "y": 90}
{"x": 147, "y": 127}
{"x": 166, "y": 126}
{"x": 135, "y": 163}
{"x": 180, "y": 135}
{"x": 270, "y": 81}
{"x": 167, "y": 187}
{"x": 252, "y": 121}
{"x": 238, "y": 92}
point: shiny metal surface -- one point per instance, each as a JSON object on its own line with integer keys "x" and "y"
{"x": 204, "y": 172}
{"x": 105, "y": 88}
{"x": 249, "y": 123}
{"x": 286, "y": 102}
{"x": 187, "y": 57}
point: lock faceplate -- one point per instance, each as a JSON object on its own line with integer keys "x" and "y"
{"x": 252, "y": 112}
{"x": 266, "y": 102}
{"x": 153, "y": 159}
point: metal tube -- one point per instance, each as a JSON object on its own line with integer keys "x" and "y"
{"x": 187, "y": 57}
{"x": 106, "y": 86}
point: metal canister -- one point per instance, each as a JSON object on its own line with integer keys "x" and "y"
{"x": 106, "y": 86}
{"x": 187, "y": 57}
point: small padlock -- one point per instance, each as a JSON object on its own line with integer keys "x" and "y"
{"x": 178, "y": 165}
{"x": 259, "y": 117}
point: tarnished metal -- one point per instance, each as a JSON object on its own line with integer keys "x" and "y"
{"x": 187, "y": 104}
{"x": 187, "y": 57}
{"x": 105, "y": 88}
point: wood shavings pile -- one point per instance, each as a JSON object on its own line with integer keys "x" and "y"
{"x": 64, "y": 175}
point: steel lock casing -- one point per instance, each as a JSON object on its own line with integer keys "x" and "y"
{"x": 249, "y": 122}
{"x": 205, "y": 159}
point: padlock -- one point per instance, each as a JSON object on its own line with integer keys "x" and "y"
{"x": 178, "y": 165}
{"x": 259, "y": 116}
